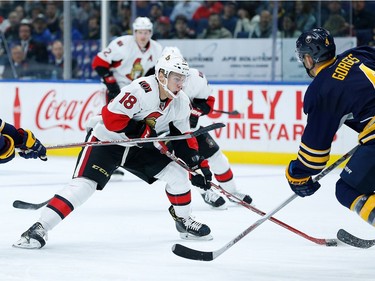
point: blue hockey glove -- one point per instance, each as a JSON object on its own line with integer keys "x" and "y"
{"x": 31, "y": 147}
{"x": 301, "y": 185}
{"x": 6, "y": 148}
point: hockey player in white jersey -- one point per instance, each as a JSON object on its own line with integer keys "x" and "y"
{"x": 199, "y": 92}
{"x": 145, "y": 108}
{"x": 127, "y": 58}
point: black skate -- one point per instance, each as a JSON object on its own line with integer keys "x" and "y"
{"x": 189, "y": 228}
{"x": 34, "y": 238}
{"x": 213, "y": 199}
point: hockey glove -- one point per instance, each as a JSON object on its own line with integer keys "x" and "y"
{"x": 31, "y": 147}
{"x": 203, "y": 175}
{"x": 301, "y": 185}
{"x": 140, "y": 129}
{"x": 194, "y": 117}
{"x": 112, "y": 86}
{"x": 6, "y": 148}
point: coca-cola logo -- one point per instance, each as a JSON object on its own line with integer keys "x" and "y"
{"x": 68, "y": 114}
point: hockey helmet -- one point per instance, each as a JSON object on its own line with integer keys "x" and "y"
{"x": 171, "y": 50}
{"x": 142, "y": 23}
{"x": 318, "y": 43}
{"x": 172, "y": 63}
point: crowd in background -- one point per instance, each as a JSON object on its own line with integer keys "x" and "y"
{"x": 33, "y": 30}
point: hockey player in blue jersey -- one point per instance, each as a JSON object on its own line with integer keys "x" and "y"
{"x": 342, "y": 92}
{"x": 12, "y": 138}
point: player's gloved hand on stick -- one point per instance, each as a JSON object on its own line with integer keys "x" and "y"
{"x": 112, "y": 86}
{"x": 140, "y": 129}
{"x": 31, "y": 147}
{"x": 195, "y": 113}
{"x": 301, "y": 185}
{"x": 6, "y": 148}
{"x": 203, "y": 175}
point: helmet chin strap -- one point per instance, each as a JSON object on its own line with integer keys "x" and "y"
{"x": 165, "y": 87}
{"x": 309, "y": 69}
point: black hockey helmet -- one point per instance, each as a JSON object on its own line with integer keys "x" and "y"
{"x": 318, "y": 43}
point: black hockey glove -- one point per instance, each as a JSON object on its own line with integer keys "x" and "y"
{"x": 112, "y": 86}
{"x": 203, "y": 175}
{"x": 6, "y": 148}
{"x": 140, "y": 129}
{"x": 301, "y": 185}
{"x": 31, "y": 147}
{"x": 195, "y": 113}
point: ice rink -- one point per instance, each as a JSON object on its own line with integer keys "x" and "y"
{"x": 126, "y": 233}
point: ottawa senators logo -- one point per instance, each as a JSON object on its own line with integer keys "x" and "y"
{"x": 137, "y": 70}
{"x": 151, "y": 119}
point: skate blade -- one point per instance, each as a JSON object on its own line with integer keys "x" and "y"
{"x": 188, "y": 236}
{"x": 23, "y": 243}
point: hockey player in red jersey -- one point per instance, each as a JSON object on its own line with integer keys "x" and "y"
{"x": 127, "y": 58}
{"x": 12, "y": 138}
{"x": 199, "y": 92}
{"x": 146, "y": 107}
{"x": 342, "y": 92}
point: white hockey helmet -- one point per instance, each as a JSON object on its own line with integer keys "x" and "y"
{"x": 172, "y": 63}
{"x": 141, "y": 23}
{"x": 171, "y": 50}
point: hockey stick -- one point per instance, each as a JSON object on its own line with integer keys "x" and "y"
{"x": 29, "y": 206}
{"x": 192, "y": 254}
{"x": 319, "y": 241}
{"x": 234, "y": 112}
{"x": 140, "y": 140}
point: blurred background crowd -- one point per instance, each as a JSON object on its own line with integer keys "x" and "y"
{"x": 32, "y": 31}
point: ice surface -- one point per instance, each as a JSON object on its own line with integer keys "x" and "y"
{"x": 126, "y": 233}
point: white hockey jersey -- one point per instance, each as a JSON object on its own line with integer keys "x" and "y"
{"x": 196, "y": 85}
{"x": 127, "y": 60}
{"x": 140, "y": 101}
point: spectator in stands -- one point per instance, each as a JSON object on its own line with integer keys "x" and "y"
{"x": 181, "y": 29}
{"x": 25, "y": 68}
{"x": 57, "y": 61}
{"x": 229, "y": 17}
{"x": 305, "y": 19}
{"x": 36, "y": 10}
{"x": 362, "y": 17}
{"x": 186, "y": 8}
{"x": 156, "y": 11}
{"x": 263, "y": 28}
{"x": 11, "y": 31}
{"x": 93, "y": 31}
{"x": 206, "y": 9}
{"x": 243, "y": 24}
{"x": 40, "y": 32}
{"x": 59, "y": 34}
{"x": 52, "y": 17}
{"x": 162, "y": 28}
{"x": 32, "y": 49}
{"x": 332, "y": 7}
{"x": 337, "y": 26}
{"x": 124, "y": 20}
{"x": 215, "y": 29}
{"x": 114, "y": 32}
{"x": 20, "y": 10}
{"x": 289, "y": 27}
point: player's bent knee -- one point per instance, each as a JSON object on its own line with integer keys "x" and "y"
{"x": 78, "y": 191}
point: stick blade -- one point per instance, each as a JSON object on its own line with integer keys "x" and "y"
{"x": 354, "y": 241}
{"x": 187, "y": 253}
{"x": 18, "y": 204}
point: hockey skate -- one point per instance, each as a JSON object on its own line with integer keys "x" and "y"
{"x": 34, "y": 238}
{"x": 213, "y": 199}
{"x": 244, "y": 197}
{"x": 189, "y": 228}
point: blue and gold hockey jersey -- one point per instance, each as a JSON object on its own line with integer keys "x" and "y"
{"x": 343, "y": 92}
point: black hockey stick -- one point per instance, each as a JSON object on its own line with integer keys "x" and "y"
{"x": 192, "y": 254}
{"x": 35, "y": 206}
{"x": 29, "y": 206}
{"x": 234, "y": 112}
{"x": 135, "y": 141}
{"x": 354, "y": 241}
{"x": 319, "y": 241}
